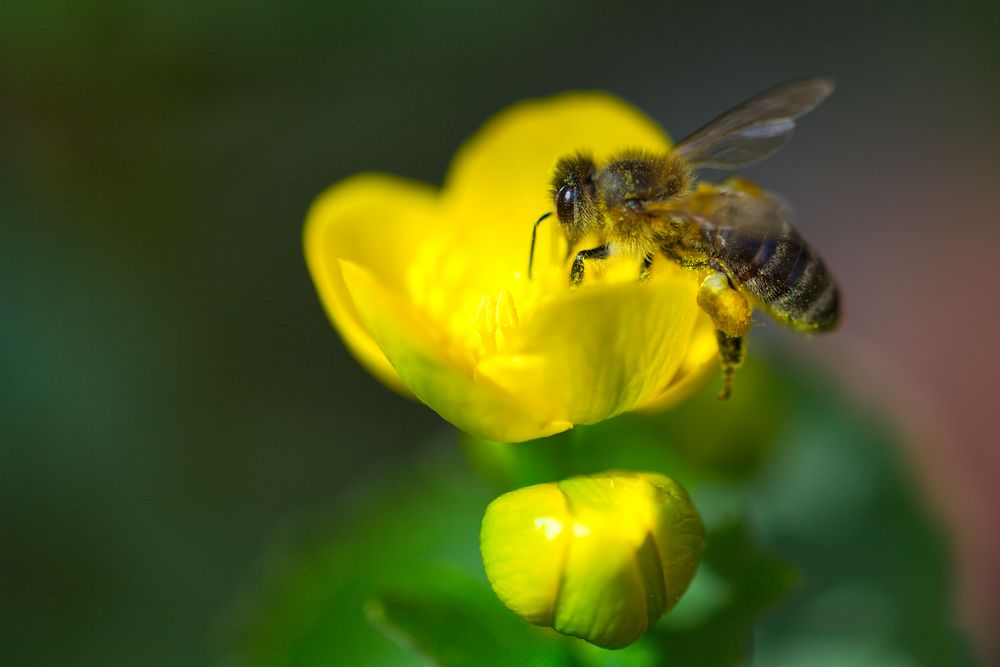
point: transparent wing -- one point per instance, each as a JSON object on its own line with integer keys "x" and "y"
{"x": 734, "y": 204}
{"x": 754, "y": 129}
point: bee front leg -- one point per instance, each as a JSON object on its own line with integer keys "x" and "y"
{"x": 644, "y": 269}
{"x": 731, "y": 315}
{"x": 576, "y": 273}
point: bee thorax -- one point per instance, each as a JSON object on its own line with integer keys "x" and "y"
{"x": 637, "y": 177}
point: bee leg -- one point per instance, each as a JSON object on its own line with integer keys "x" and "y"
{"x": 647, "y": 263}
{"x": 576, "y": 273}
{"x": 731, "y": 315}
{"x": 728, "y": 308}
{"x": 732, "y": 349}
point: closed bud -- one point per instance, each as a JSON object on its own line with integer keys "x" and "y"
{"x": 600, "y": 557}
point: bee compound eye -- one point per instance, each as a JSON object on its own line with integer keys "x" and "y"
{"x": 566, "y": 203}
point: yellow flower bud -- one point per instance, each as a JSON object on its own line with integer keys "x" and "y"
{"x": 599, "y": 557}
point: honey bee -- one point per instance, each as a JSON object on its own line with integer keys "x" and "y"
{"x": 734, "y": 234}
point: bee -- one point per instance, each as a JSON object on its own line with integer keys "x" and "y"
{"x": 734, "y": 234}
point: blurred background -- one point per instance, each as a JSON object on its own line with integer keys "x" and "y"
{"x": 170, "y": 388}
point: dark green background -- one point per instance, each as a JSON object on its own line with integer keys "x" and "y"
{"x": 169, "y": 386}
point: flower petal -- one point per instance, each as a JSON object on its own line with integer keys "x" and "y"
{"x": 699, "y": 361}
{"x": 437, "y": 373}
{"x": 524, "y": 540}
{"x": 374, "y": 221}
{"x": 601, "y": 350}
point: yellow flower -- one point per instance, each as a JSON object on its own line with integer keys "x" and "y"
{"x": 430, "y": 290}
{"x": 600, "y": 557}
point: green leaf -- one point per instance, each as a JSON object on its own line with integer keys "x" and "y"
{"x": 838, "y": 501}
{"x": 714, "y": 622}
{"x": 789, "y": 472}
{"x": 306, "y": 607}
{"x": 457, "y": 621}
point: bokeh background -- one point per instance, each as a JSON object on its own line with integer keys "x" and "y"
{"x": 170, "y": 389}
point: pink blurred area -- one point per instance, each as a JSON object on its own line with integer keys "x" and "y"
{"x": 902, "y": 200}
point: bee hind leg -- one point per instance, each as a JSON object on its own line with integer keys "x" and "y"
{"x": 731, "y": 314}
{"x": 732, "y": 349}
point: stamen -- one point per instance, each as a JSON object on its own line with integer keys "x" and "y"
{"x": 495, "y": 318}
{"x": 506, "y": 317}
{"x": 486, "y": 323}
{"x": 506, "y": 311}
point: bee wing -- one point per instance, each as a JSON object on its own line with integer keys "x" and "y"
{"x": 754, "y": 129}
{"x": 735, "y": 204}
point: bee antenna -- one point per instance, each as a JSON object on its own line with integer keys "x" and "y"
{"x": 534, "y": 232}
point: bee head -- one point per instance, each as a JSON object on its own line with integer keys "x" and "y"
{"x": 575, "y": 196}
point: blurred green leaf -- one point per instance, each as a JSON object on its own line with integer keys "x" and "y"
{"x": 409, "y": 559}
{"x": 306, "y": 606}
{"x": 713, "y": 624}
{"x": 838, "y": 500}
{"x": 457, "y": 621}
{"x": 795, "y": 483}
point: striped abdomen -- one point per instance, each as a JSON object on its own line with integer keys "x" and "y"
{"x": 781, "y": 272}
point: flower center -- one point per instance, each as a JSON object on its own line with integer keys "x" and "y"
{"x": 495, "y": 317}
{"x": 480, "y": 298}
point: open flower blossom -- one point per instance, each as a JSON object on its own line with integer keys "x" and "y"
{"x": 599, "y": 557}
{"x": 430, "y": 289}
